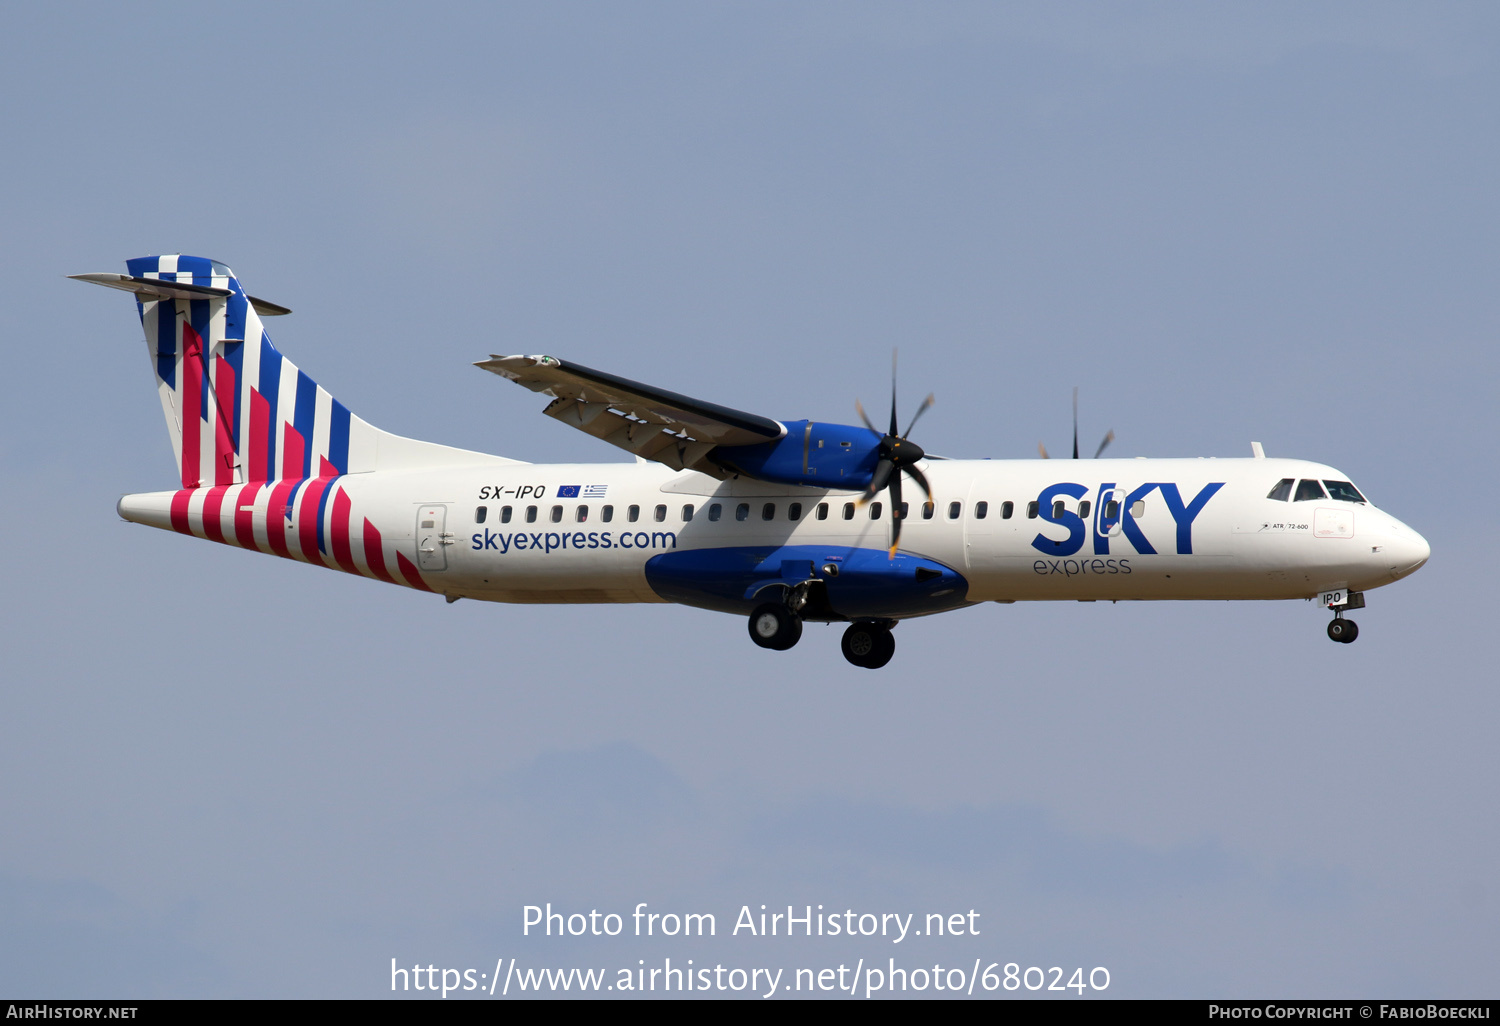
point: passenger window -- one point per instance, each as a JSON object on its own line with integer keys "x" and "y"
{"x": 742, "y": 511}
{"x": 582, "y": 515}
{"x": 1006, "y": 509}
{"x": 901, "y": 510}
{"x": 875, "y": 509}
{"x": 480, "y": 514}
{"x": 1112, "y": 509}
{"x": 505, "y": 514}
{"x": 928, "y": 508}
{"x": 661, "y": 514}
{"x": 1138, "y": 508}
{"x": 633, "y": 514}
{"x": 768, "y": 511}
{"x": 1031, "y": 510}
{"x": 1057, "y": 509}
{"x": 1084, "y": 507}
{"x": 981, "y": 510}
{"x": 1283, "y": 490}
{"x": 954, "y": 509}
{"x": 557, "y": 514}
{"x": 822, "y": 511}
{"x": 531, "y": 514}
{"x": 715, "y": 512}
{"x": 1344, "y": 491}
{"x": 687, "y": 513}
{"x": 607, "y": 513}
{"x": 1309, "y": 490}
{"x": 794, "y": 511}
{"x": 848, "y": 511}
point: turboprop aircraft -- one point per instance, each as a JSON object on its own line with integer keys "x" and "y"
{"x": 782, "y": 522}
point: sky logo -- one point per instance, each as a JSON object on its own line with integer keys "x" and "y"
{"x": 1052, "y": 508}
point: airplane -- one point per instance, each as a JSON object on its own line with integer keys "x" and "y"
{"x": 781, "y": 522}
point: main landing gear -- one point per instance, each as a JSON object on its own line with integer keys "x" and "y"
{"x": 774, "y": 626}
{"x": 867, "y": 643}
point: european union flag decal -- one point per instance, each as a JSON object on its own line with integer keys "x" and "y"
{"x": 567, "y": 492}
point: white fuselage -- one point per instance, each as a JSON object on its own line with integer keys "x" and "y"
{"x": 519, "y": 532}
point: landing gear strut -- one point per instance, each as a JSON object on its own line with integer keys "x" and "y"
{"x": 774, "y": 626}
{"x": 869, "y": 644}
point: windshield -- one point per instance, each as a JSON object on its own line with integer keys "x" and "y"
{"x": 1344, "y": 491}
{"x": 1307, "y": 490}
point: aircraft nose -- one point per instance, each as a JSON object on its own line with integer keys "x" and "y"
{"x": 1407, "y": 550}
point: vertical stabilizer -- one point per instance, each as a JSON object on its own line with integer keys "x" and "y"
{"x": 237, "y": 410}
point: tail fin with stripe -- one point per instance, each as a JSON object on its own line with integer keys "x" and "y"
{"x": 237, "y": 410}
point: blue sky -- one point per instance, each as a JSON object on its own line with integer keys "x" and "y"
{"x": 230, "y": 775}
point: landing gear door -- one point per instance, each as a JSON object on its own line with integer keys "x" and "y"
{"x": 432, "y": 537}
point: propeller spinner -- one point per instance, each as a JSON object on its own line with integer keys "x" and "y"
{"x": 898, "y": 455}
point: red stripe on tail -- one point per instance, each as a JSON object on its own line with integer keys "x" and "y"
{"x": 260, "y": 434}
{"x": 223, "y": 440}
{"x": 190, "y": 404}
{"x": 179, "y": 511}
{"x": 244, "y": 519}
{"x": 343, "y": 554}
{"x": 293, "y": 447}
{"x": 276, "y": 517}
{"x": 307, "y": 522}
{"x": 213, "y": 524}
{"x": 375, "y": 553}
{"x": 411, "y": 573}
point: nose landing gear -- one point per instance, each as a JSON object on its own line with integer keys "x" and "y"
{"x": 1342, "y": 630}
{"x": 1339, "y": 629}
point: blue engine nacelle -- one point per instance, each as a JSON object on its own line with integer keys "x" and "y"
{"x": 854, "y": 583}
{"x": 821, "y": 455}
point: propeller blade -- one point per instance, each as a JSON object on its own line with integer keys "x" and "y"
{"x": 1043, "y": 450}
{"x": 1075, "y": 422}
{"x": 1104, "y": 444}
{"x": 921, "y": 479}
{"x": 877, "y": 480}
{"x": 893, "y": 393}
{"x": 926, "y": 405}
{"x": 859, "y": 408}
{"x": 896, "y": 517}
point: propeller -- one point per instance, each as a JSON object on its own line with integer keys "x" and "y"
{"x": 1102, "y": 445}
{"x": 898, "y": 455}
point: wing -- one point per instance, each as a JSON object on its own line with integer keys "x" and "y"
{"x": 650, "y": 422}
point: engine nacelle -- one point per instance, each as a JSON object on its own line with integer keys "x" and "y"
{"x": 818, "y": 455}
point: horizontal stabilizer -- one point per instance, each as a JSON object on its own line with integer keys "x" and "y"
{"x": 151, "y": 289}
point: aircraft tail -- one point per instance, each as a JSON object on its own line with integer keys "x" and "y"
{"x": 237, "y": 410}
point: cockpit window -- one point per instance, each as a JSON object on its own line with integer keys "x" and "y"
{"x": 1344, "y": 491}
{"x": 1283, "y": 490}
{"x": 1309, "y": 490}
